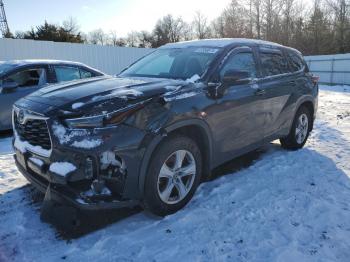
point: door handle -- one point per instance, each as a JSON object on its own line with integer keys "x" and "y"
{"x": 259, "y": 92}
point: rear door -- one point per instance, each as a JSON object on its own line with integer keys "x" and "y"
{"x": 28, "y": 79}
{"x": 278, "y": 85}
{"x": 236, "y": 116}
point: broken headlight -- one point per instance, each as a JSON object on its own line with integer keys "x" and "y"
{"x": 104, "y": 120}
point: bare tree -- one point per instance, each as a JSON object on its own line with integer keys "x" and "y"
{"x": 200, "y": 26}
{"x": 271, "y": 10}
{"x": 131, "y": 40}
{"x": 97, "y": 36}
{"x": 341, "y": 23}
{"x": 113, "y": 37}
{"x": 145, "y": 39}
{"x": 257, "y": 17}
{"x": 169, "y": 30}
{"x": 218, "y": 27}
{"x": 71, "y": 25}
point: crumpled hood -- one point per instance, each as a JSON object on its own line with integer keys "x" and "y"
{"x": 102, "y": 93}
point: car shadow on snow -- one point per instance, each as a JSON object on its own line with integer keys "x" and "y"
{"x": 69, "y": 224}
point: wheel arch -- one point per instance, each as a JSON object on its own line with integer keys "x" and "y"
{"x": 195, "y": 129}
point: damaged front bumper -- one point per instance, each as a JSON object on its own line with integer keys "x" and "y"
{"x": 78, "y": 186}
{"x": 68, "y": 195}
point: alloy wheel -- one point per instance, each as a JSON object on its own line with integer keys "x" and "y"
{"x": 176, "y": 177}
{"x": 301, "y": 129}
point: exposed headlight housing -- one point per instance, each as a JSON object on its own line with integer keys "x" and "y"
{"x": 104, "y": 120}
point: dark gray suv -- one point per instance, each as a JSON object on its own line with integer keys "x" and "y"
{"x": 152, "y": 134}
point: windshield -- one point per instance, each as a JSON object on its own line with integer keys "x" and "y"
{"x": 176, "y": 63}
{"x": 5, "y": 67}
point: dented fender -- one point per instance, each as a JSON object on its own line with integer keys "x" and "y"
{"x": 156, "y": 140}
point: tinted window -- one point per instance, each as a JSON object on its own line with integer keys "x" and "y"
{"x": 86, "y": 74}
{"x": 28, "y": 77}
{"x": 273, "y": 63}
{"x": 65, "y": 73}
{"x": 240, "y": 62}
{"x": 295, "y": 61}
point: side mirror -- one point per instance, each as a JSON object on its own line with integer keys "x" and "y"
{"x": 8, "y": 86}
{"x": 233, "y": 77}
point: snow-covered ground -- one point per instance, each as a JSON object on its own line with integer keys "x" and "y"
{"x": 284, "y": 206}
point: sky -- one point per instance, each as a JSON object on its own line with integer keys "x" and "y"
{"x": 122, "y": 16}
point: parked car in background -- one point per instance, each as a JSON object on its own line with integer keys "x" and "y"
{"x": 19, "y": 78}
{"x": 151, "y": 135}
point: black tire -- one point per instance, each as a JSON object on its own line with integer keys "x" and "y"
{"x": 290, "y": 142}
{"x": 152, "y": 201}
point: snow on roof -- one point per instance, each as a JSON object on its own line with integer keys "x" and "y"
{"x": 219, "y": 42}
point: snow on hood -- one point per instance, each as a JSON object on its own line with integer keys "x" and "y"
{"x": 77, "y": 95}
{"x": 93, "y": 97}
{"x": 75, "y": 138}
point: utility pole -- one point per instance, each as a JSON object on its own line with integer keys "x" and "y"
{"x": 4, "y": 28}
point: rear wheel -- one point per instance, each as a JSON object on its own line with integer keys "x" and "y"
{"x": 173, "y": 175}
{"x": 300, "y": 130}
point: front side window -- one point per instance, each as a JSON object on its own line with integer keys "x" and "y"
{"x": 273, "y": 63}
{"x": 66, "y": 73}
{"x": 176, "y": 63}
{"x": 28, "y": 77}
{"x": 240, "y": 62}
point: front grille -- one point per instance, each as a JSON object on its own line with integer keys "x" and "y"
{"x": 34, "y": 131}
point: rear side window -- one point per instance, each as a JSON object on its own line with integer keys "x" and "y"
{"x": 66, "y": 73}
{"x": 240, "y": 62}
{"x": 273, "y": 63}
{"x": 296, "y": 62}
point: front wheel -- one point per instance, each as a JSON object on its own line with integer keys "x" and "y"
{"x": 300, "y": 130}
{"x": 173, "y": 175}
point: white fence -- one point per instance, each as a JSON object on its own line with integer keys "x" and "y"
{"x": 109, "y": 59}
{"x": 332, "y": 69}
